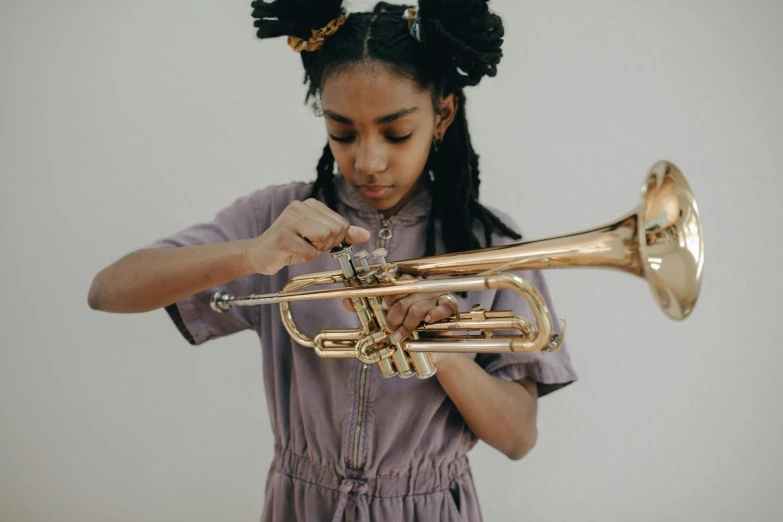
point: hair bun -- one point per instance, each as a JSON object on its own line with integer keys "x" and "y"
{"x": 466, "y": 34}
{"x": 293, "y": 17}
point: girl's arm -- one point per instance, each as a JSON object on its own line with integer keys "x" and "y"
{"x": 149, "y": 279}
{"x": 153, "y": 278}
{"x": 501, "y": 413}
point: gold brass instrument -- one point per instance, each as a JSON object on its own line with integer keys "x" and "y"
{"x": 660, "y": 240}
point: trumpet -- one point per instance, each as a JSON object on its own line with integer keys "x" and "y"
{"x": 660, "y": 240}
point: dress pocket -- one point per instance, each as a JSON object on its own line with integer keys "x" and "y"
{"x": 454, "y": 499}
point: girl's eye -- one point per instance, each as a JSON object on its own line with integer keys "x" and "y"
{"x": 342, "y": 139}
{"x": 350, "y": 138}
{"x": 400, "y": 139}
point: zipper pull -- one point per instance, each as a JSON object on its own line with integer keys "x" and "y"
{"x": 385, "y": 232}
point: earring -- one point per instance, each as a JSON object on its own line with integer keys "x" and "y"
{"x": 434, "y": 144}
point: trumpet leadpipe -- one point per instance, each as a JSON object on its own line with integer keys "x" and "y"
{"x": 222, "y": 302}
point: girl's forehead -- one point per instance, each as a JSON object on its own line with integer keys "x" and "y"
{"x": 370, "y": 91}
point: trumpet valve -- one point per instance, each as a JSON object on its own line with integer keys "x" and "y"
{"x": 387, "y": 273}
{"x": 365, "y": 275}
{"x": 386, "y": 369}
{"x": 342, "y": 253}
{"x": 422, "y": 362}
{"x": 379, "y": 254}
{"x": 361, "y": 259}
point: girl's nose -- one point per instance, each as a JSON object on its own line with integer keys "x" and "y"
{"x": 370, "y": 158}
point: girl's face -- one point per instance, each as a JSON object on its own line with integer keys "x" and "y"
{"x": 380, "y": 128}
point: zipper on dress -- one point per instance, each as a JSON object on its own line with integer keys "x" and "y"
{"x": 384, "y": 234}
{"x": 357, "y": 432}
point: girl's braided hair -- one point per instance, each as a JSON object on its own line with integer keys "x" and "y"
{"x": 459, "y": 42}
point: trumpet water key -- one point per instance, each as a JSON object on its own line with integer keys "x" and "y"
{"x": 661, "y": 241}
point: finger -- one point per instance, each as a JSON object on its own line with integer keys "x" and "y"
{"x": 326, "y": 212}
{"x": 400, "y": 334}
{"x": 316, "y": 233}
{"x": 438, "y": 313}
{"x": 298, "y": 249}
{"x": 400, "y": 309}
{"x": 447, "y": 306}
{"x": 389, "y": 300}
{"x": 317, "y": 211}
{"x": 347, "y": 305}
{"x": 415, "y": 316}
{"x": 340, "y": 229}
{"x": 337, "y": 226}
{"x": 357, "y": 235}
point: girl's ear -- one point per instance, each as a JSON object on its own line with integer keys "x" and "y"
{"x": 446, "y": 114}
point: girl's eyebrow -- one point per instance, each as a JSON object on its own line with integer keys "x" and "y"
{"x": 378, "y": 121}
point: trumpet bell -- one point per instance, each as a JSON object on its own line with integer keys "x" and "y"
{"x": 671, "y": 244}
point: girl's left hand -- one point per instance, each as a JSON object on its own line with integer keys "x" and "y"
{"x": 406, "y": 312}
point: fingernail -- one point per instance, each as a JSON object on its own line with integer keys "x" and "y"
{"x": 427, "y": 318}
{"x": 397, "y": 337}
{"x": 385, "y": 306}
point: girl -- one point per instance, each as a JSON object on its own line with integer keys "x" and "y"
{"x": 350, "y": 444}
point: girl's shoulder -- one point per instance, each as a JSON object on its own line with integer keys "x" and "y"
{"x": 269, "y": 202}
{"x": 245, "y": 217}
{"x": 282, "y": 194}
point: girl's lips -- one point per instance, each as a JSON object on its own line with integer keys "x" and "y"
{"x": 374, "y": 191}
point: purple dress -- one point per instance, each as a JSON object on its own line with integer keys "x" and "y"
{"x": 349, "y": 444}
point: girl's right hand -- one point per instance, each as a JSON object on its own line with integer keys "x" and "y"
{"x": 303, "y": 231}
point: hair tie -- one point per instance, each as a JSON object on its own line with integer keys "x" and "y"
{"x": 319, "y": 35}
{"x": 413, "y": 17}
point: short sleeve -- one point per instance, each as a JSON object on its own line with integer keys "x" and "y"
{"x": 550, "y": 370}
{"x": 193, "y": 316}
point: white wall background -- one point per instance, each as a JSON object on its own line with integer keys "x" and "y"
{"x": 124, "y": 121}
